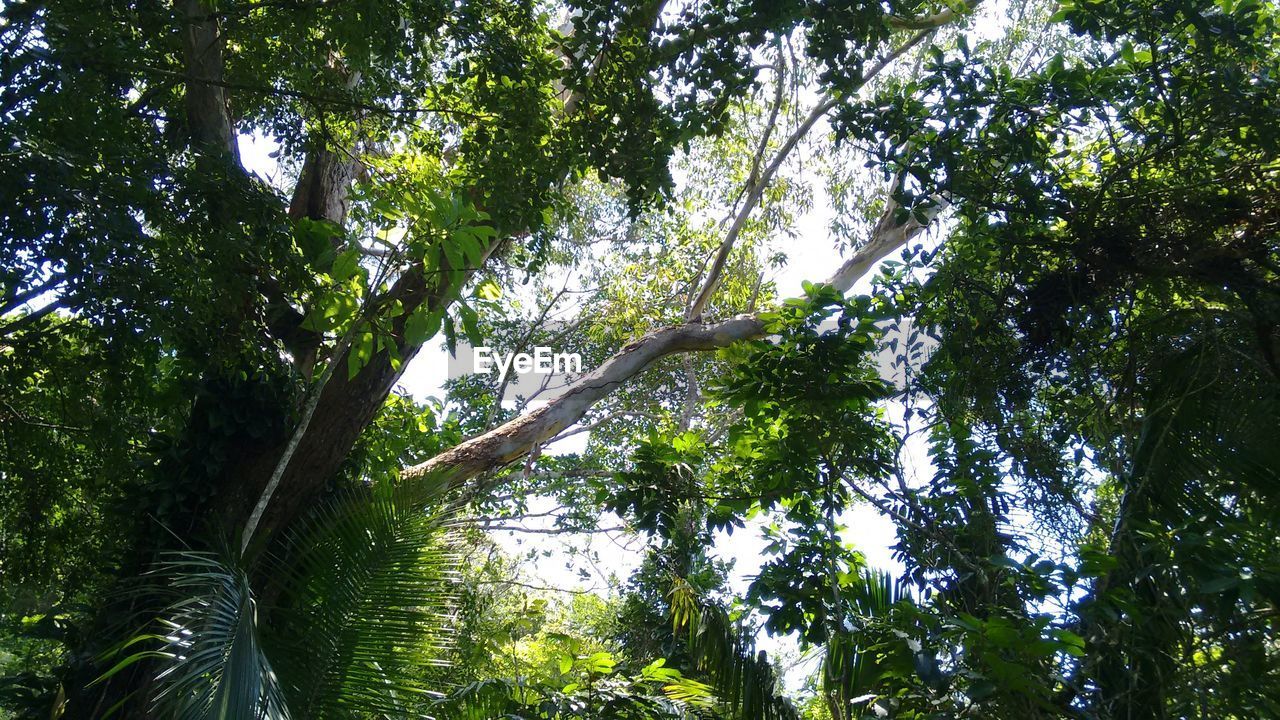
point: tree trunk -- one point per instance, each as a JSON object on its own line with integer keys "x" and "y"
{"x": 346, "y": 406}
{"x": 323, "y": 189}
{"x": 207, "y": 106}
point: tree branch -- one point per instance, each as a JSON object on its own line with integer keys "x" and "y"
{"x": 511, "y": 441}
{"x": 32, "y": 317}
{"x": 936, "y": 20}
{"x": 757, "y": 186}
{"x": 20, "y": 298}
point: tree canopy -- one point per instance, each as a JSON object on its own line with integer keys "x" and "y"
{"x": 1042, "y": 343}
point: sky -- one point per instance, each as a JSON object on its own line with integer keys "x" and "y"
{"x": 556, "y": 562}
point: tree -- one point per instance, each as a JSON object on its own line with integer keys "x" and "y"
{"x": 204, "y": 363}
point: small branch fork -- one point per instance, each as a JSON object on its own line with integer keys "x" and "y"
{"x": 756, "y": 185}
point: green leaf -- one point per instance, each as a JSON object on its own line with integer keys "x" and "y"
{"x": 212, "y": 663}
{"x": 453, "y": 253}
{"x": 472, "y": 249}
{"x": 361, "y": 352}
{"x": 470, "y": 324}
{"x": 1071, "y": 643}
{"x": 346, "y": 265}
{"x": 488, "y": 290}
{"x": 421, "y": 326}
{"x": 371, "y": 578}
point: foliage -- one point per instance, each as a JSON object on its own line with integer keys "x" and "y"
{"x": 370, "y": 593}
{"x": 1062, "y": 394}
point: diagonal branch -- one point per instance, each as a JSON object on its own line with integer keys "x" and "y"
{"x": 22, "y": 297}
{"x": 513, "y": 440}
{"x": 510, "y": 441}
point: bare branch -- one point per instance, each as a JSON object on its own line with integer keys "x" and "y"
{"x": 553, "y": 531}
{"x": 936, "y": 20}
{"x": 889, "y": 235}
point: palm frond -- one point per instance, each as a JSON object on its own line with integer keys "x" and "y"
{"x": 371, "y": 580}
{"x": 742, "y": 677}
{"x": 851, "y": 670}
{"x": 211, "y": 661}
{"x": 1212, "y": 417}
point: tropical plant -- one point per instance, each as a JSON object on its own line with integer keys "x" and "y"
{"x": 370, "y": 582}
{"x": 1046, "y": 352}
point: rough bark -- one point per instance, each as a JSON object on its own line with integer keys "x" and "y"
{"x": 324, "y": 185}
{"x": 345, "y": 407}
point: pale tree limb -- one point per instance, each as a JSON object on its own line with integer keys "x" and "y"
{"x": 936, "y": 20}
{"x": 754, "y": 194}
{"x": 513, "y": 440}
{"x": 889, "y": 235}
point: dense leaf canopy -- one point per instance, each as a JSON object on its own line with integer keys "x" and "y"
{"x": 1041, "y": 341}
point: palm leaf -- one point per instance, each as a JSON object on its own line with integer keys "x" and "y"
{"x": 743, "y": 678}
{"x": 1213, "y": 418}
{"x": 371, "y": 579}
{"x": 211, "y": 665}
{"x": 851, "y": 669}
